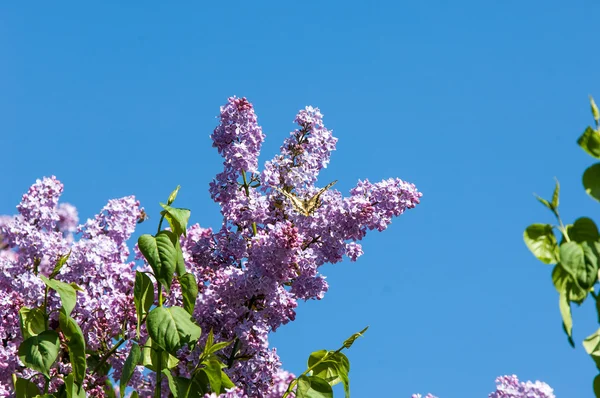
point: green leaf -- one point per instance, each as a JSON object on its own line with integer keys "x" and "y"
{"x": 581, "y": 261}
{"x": 590, "y": 142}
{"x": 348, "y": 343}
{"x": 213, "y": 372}
{"x": 177, "y": 218}
{"x": 565, "y": 312}
{"x": 595, "y": 113}
{"x": 26, "y": 389}
{"x": 73, "y": 390}
{"x": 332, "y": 366}
{"x": 226, "y": 382}
{"x": 171, "y": 328}
{"x": 591, "y": 181}
{"x": 133, "y": 359}
{"x": 199, "y": 383}
{"x": 160, "y": 253}
{"x": 134, "y": 395}
{"x": 62, "y": 260}
{"x": 597, "y": 386}
{"x": 210, "y": 339}
{"x": 563, "y": 281}
{"x": 173, "y": 195}
{"x": 172, "y": 384}
{"x": 592, "y": 347}
{"x": 182, "y": 387}
{"x": 313, "y": 387}
{"x": 219, "y": 346}
{"x": 544, "y": 202}
{"x": 540, "y": 240}
{"x": 109, "y": 390}
{"x": 555, "y": 195}
{"x": 143, "y": 297}
{"x": 180, "y": 265}
{"x": 32, "y": 321}
{"x": 189, "y": 291}
{"x": 75, "y": 344}
{"x": 39, "y": 352}
{"x": 68, "y": 295}
{"x": 583, "y": 229}
{"x": 150, "y": 357}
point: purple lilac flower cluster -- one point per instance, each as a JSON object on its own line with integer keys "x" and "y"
{"x": 43, "y": 231}
{"x": 511, "y": 387}
{"x": 251, "y": 272}
{"x": 266, "y": 255}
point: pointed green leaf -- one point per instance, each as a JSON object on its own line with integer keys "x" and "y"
{"x": 580, "y": 260}
{"x": 134, "y": 395}
{"x": 555, "y": 195}
{"x": 62, "y": 260}
{"x": 217, "y": 347}
{"x": 597, "y": 386}
{"x": 313, "y": 387}
{"x": 591, "y": 181}
{"x": 68, "y": 295}
{"x": 189, "y": 291}
{"x": 563, "y": 281}
{"x": 173, "y": 195}
{"x": 75, "y": 344}
{"x": 26, "y": 389}
{"x": 592, "y": 347}
{"x": 160, "y": 253}
{"x": 39, "y": 352}
{"x": 565, "y": 312}
{"x": 540, "y": 240}
{"x": 180, "y": 265}
{"x": 32, "y": 321}
{"x": 177, "y": 218}
{"x": 595, "y": 112}
{"x": 590, "y": 142}
{"x": 133, "y": 359}
{"x": 544, "y": 202}
{"x": 213, "y": 372}
{"x": 150, "y": 357}
{"x": 171, "y": 328}
{"x": 73, "y": 390}
{"x": 143, "y": 297}
{"x": 348, "y": 343}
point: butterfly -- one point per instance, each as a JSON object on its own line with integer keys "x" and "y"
{"x": 306, "y": 206}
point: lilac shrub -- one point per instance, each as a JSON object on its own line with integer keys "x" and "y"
{"x": 33, "y": 240}
{"x": 278, "y": 229}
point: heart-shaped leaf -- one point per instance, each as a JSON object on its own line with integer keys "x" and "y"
{"x": 171, "y": 328}
{"x": 39, "y": 352}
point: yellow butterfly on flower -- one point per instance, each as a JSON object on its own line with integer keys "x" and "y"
{"x": 306, "y": 206}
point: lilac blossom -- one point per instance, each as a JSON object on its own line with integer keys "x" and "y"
{"x": 511, "y": 387}
{"x": 251, "y": 271}
{"x": 39, "y": 234}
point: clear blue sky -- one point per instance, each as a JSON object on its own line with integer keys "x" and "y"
{"x": 479, "y": 103}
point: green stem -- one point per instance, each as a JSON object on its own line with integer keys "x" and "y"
{"x": 107, "y": 355}
{"x": 160, "y": 295}
{"x": 46, "y": 315}
{"x": 157, "y": 389}
{"x": 561, "y": 226}
{"x": 160, "y": 223}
